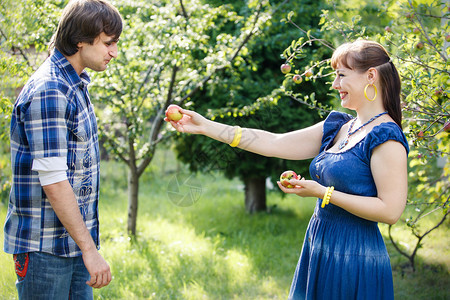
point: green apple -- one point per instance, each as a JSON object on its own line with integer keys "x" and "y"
{"x": 297, "y": 78}
{"x": 285, "y": 68}
{"x": 308, "y": 73}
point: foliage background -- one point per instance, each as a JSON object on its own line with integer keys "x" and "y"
{"x": 213, "y": 249}
{"x": 247, "y": 94}
{"x": 420, "y": 54}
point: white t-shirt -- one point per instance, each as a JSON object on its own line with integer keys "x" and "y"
{"x": 50, "y": 169}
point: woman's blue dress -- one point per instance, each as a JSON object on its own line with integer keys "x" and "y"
{"x": 344, "y": 256}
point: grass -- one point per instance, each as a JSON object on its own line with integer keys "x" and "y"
{"x": 211, "y": 249}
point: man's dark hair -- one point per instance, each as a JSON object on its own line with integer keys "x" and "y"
{"x": 84, "y": 21}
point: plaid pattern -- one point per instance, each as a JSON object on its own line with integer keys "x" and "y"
{"x": 52, "y": 117}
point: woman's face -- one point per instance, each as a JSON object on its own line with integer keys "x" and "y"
{"x": 350, "y": 85}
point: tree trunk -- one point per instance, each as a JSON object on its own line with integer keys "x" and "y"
{"x": 255, "y": 194}
{"x": 133, "y": 190}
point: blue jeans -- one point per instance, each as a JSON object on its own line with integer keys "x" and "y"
{"x": 44, "y": 276}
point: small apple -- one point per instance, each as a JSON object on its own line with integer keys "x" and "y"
{"x": 420, "y": 45}
{"x": 438, "y": 92}
{"x": 308, "y": 73}
{"x": 420, "y": 135}
{"x": 297, "y": 78}
{"x": 286, "y": 176}
{"x": 173, "y": 113}
{"x": 447, "y": 38}
{"x": 388, "y": 29}
{"x": 447, "y": 126}
{"x": 416, "y": 30}
{"x": 285, "y": 68}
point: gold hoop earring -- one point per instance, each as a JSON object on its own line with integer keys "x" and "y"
{"x": 365, "y": 91}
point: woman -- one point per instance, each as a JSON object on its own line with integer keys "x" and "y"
{"x": 359, "y": 175}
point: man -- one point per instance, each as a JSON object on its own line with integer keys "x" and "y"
{"x": 52, "y": 226}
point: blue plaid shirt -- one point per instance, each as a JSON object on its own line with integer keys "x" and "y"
{"x": 52, "y": 117}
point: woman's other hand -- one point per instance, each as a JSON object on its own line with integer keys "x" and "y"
{"x": 304, "y": 188}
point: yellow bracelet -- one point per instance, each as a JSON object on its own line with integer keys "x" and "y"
{"x": 327, "y": 196}
{"x": 237, "y": 136}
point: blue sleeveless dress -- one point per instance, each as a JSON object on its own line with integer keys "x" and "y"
{"x": 344, "y": 256}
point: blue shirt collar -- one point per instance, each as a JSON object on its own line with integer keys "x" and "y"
{"x": 66, "y": 67}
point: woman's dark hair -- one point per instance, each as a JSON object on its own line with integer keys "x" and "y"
{"x": 84, "y": 21}
{"x": 362, "y": 55}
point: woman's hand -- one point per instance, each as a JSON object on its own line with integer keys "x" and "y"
{"x": 304, "y": 188}
{"x": 191, "y": 122}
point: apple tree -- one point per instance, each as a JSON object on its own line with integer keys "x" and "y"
{"x": 25, "y": 29}
{"x": 168, "y": 51}
{"x": 417, "y": 36}
{"x": 422, "y": 49}
{"x": 248, "y": 94}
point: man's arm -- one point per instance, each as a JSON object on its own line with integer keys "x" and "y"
{"x": 64, "y": 204}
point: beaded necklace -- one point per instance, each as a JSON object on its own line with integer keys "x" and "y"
{"x": 345, "y": 141}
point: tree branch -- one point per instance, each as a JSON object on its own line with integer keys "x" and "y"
{"x": 157, "y": 124}
{"x": 132, "y": 154}
{"x": 233, "y": 57}
{"x": 308, "y": 104}
{"x": 430, "y": 42}
{"x": 184, "y": 11}
{"x": 395, "y": 244}
{"x": 141, "y": 86}
{"x": 437, "y": 225}
{"x": 115, "y": 149}
{"x": 20, "y": 49}
{"x": 419, "y": 240}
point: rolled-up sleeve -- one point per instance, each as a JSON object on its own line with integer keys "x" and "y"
{"x": 51, "y": 169}
{"x": 46, "y": 124}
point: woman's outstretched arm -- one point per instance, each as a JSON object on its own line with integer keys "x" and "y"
{"x": 295, "y": 145}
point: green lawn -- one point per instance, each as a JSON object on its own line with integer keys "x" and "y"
{"x": 212, "y": 249}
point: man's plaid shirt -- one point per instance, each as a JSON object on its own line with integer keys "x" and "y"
{"x": 52, "y": 117}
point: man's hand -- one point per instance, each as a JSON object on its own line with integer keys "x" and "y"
{"x": 65, "y": 205}
{"x": 98, "y": 268}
